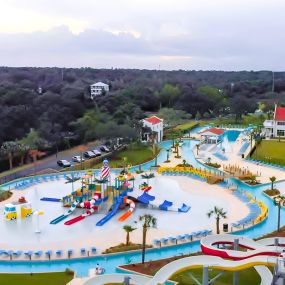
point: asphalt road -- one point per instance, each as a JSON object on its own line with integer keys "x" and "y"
{"x": 47, "y": 163}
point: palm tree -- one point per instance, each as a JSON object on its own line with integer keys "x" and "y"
{"x": 279, "y": 201}
{"x": 272, "y": 179}
{"x": 197, "y": 148}
{"x": 148, "y": 221}
{"x": 219, "y": 213}
{"x": 128, "y": 229}
{"x": 9, "y": 149}
{"x": 155, "y": 152}
{"x": 23, "y": 149}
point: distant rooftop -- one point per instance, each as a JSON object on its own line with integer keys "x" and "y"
{"x": 99, "y": 84}
{"x": 279, "y": 114}
{"x": 153, "y": 120}
{"x": 215, "y": 131}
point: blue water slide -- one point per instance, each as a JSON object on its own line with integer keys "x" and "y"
{"x": 146, "y": 198}
{"x": 184, "y": 208}
{"x": 112, "y": 213}
{"x": 165, "y": 205}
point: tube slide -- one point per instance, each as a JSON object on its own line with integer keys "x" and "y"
{"x": 130, "y": 211}
{"x": 90, "y": 205}
{"x": 82, "y": 217}
{"x": 263, "y": 247}
{"x": 64, "y": 216}
{"x": 212, "y": 262}
{"x": 112, "y": 213}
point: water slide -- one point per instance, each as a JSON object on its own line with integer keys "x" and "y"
{"x": 48, "y": 199}
{"x": 81, "y": 217}
{"x": 130, "y": 211}
{"x": 112, "y": 213}
{"x": 90, "y": 205}
{"x": 265, "y": 247}
{"x": 214, "y": 262}
{"x": 165, "y": 205}
{"x": 64, "y": 216}
{"x": 188, "y": 263}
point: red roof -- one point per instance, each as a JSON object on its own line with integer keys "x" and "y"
{"x": 279, "y": 114}
{"x": 214, "y": 131}
{"x": 153, "y": 120}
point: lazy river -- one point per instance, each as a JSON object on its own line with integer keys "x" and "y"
{"x": 110, "y": 262}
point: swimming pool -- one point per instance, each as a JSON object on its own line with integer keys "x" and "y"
{"x": 81, "y": 266}
{"x": 231, "y": 135}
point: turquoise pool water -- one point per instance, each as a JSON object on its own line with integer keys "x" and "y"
{"x": 81, "y": 266}
{"x": 231, "y": 135}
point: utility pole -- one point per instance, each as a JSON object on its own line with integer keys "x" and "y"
{"x": 273, "y": 87}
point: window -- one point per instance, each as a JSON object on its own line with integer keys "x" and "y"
{"x": 280, "y": 133}
{"x": 281, "y": 123}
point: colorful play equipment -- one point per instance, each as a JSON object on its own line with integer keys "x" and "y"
{"x": 21, "y": 208}
{"x": 132, "y": 205}
{"x": 105, "y": 171}
{"x": 165, "y": 205}
{"x": 91, "y": 207}
{"x": 145, "y": 187}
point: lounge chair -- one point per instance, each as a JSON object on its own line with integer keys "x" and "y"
{"x": 58, "y": 252}
{"x": 38, "y": 253}
{"x": 93, "y": 250}
{"x": 83, "y": 251}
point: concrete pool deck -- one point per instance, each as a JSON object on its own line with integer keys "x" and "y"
{"x": 199, "y": 195}
{"x": 263, "y": 172}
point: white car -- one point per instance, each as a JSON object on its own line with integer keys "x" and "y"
{"x": 63, "y": 163}
{"x": 104, "y": 148}
{"x": 97, "y": 152}
{"x": 89, "y": 154}
{"x": 77, "y": 158}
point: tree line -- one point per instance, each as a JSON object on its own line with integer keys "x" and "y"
{"x": 51, "y": 109}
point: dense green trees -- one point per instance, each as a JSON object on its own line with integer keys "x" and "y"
{"x": 63, "y": 113}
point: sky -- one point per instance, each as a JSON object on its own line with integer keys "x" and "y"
{"x": 144, "y": 34}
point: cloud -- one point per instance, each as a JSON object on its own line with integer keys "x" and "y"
{"x": 187, "y": 34}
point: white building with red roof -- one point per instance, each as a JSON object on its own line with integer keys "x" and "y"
{"x": 212, "y": 135}
{"x": 152, "y": 129}
{"x": 275, "y": 127}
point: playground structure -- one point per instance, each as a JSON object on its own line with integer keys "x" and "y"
{"x": 209, "y": 176}
{"x": 21, "y": 208}
{"x": 96, "y": 191}
{"x": 238, "y": 172}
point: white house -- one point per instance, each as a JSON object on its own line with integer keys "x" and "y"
{"x": 98, "y": 89}
{"x": 212, "y": 135}
{"x": 154, "y": 124}
{"x": 275, "y": 127}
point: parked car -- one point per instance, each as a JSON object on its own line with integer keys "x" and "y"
{"x": 89, "y": 154}
{"x": 104, "y": 148}
{"x": 78, "y": 158}
{"x": 96, "y": 152}
{"x": 63, "y": 163}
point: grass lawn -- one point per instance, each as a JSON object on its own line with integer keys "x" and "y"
{"x": 58, "y": 278}
{"x": 188, "y": 126}
{"x": 134, "y": 154}
{"x": 246, "y": 277}
{"x": 271, "y": 151}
